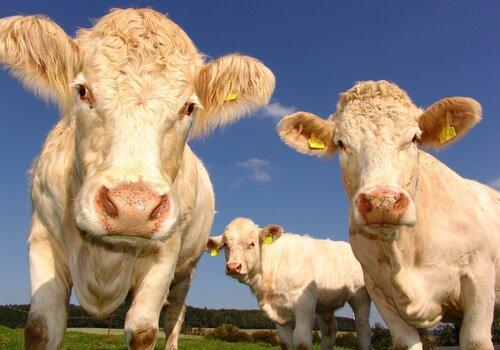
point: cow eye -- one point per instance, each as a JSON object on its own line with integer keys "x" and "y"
{"x": 414, "y": 139}
{"x": 187, "y": 109}
{"x": 83, "y": 91}
{"x": 251, "y": 245}
{"x": 340, "y": 144}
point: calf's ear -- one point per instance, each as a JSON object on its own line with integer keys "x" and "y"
{"x": 308, "y": 134}
{"x": 214, "y": 243}
{"x": 40, "y": 54}
{"x": 229, "y": 88}
{"x": 270, "y": 233}
{"x": 447, "y": 120}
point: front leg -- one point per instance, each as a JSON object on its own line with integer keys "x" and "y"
{"x": 360, "y": 305}
{"x": 328, "y": 328}
{"x": 478, "y": 294}
{"x": 50, "y": 290}
{"x": 304, "y": 319}
{"x": 285, "y": 335}
{"x": 154, "y": 276}
{"x": 176, "y": 309}
{"x": 404, "y": 336}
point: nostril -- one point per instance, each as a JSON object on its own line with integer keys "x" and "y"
{"x": 364, "y": 205}
{"x": 107, "y": 204}
{"x": 160, "y": 208}
{"x": 238, "y": 268}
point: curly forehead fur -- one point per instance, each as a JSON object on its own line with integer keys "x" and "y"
{"x": 374, "y": 106}
{"x": 240, "y": 226}
{"x": 138, "y": 50}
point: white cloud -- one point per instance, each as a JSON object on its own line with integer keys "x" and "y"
{"x": 495, "y": 183}
{"x": 258, "y": 168}
{"x": 276, "y": 110}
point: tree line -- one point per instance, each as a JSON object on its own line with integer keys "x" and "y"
{"x": 15, "y": 316}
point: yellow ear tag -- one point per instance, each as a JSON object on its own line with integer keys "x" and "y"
{"x": 447, "y": 132}
{"x": 315, "y": 143}
{"x": 268, "y": 240}
{"x": 214, "y": 252}
{"x": 231, "y": 96}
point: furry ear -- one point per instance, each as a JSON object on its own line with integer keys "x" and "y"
{"x": 228, "y": 88}
{"x": 40, "y": 54}
{"x": 308, "y": 134}
{"x": 270, "y": 233}
{"x": 447, "y": 120}
{"x": 214, "y": 243}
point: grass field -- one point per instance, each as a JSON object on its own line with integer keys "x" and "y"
{"x": 12, "y": 339}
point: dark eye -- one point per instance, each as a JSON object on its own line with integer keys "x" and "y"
{"x": 190, "y": 108}
{"x": 83, "y": 91}
{"x": 340, "y": 144}
{"x": 414, "y": 139}
{"x": 251, "y": 245}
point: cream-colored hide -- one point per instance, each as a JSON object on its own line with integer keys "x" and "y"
{"x": 120, "y": 202}
{"x": 295, "y": 277}
{"x": 427, "y": 239}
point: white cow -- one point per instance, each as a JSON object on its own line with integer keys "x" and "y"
{"x": 120, "y": 202}
{"x": 295, "y": 277}
{"x": 428, "y": 240}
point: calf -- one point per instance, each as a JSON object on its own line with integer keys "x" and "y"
{"x": 295, "y": 277}
{"x": 428, "y": 240}
{"x": 120, "y": 202}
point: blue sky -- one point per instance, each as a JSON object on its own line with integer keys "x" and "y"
{"x": 317, "y": 49}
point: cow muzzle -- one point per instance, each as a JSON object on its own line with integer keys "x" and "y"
{"x": 131, "y": 209}
{"x": 384, "y": 207}
{"x": 233, "y": 269}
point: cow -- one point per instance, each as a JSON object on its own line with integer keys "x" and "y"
{"x": 121, "y": 204}
{"x": 427, "y": 239}
{"x": 295, "y": 277}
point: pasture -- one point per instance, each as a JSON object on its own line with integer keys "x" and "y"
{"x": 13, "y": 339}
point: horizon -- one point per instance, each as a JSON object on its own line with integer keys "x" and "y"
{"x": 316, "y": 50}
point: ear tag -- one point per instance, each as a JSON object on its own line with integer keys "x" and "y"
{"x": 268, "y": 240}
{"x": 447, "y": 132}
{"x": 315, "y": 143}
{"x": 214, "y": 252}
{"x": 231, "y": 96}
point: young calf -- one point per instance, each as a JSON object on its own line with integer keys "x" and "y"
{"x": 295, "y": 277}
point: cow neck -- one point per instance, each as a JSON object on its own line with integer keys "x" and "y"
{"x": 257, "y": 280}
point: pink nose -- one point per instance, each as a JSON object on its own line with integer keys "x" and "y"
{"x": 131, "y": 209}
{"x": 382, "y": 206}
{"x": 233, "y": 268}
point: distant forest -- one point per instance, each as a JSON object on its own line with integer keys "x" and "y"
{"x": 15, "y": 316}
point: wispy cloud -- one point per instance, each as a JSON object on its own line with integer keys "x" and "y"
{"x": 258, "y": 169}
{"x": 495, "y": 184}
{"x": 276, "y": 110}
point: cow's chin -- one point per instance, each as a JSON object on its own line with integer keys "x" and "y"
{"x": 124, "y": 240}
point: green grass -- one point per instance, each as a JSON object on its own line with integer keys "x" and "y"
{"x": 13, "y": 339}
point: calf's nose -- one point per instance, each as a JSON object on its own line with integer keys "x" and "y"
{"x": 131, "y": 209}
{"x": 382, "y": 206}
{"x": 233, "y": 268}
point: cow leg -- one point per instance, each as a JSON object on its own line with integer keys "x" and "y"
{"x": 304, "y": 319}
{"x": 328, "y": 328}
{"x": 360, "y": 305}
{"x": 285, "y": 335}
{"x": 50, "y": 290}
{"x": 478, "y": 290}
{"x": 141, "y": 323}
{"x": 176, "y": 310}
{"x": 404, "y": 336}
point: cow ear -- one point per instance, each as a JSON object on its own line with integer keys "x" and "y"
{"x": 214, "y": 243}
{"x": 229, "y": 88}
{"x": 447, "y": 120}
{"x": 270, "y": 233}
{"x": 40, "y": 54}
{"x": 308, "y": 134}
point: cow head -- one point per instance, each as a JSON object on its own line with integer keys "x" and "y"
{"x": 377, "y": 130}
{"x": 242, "y": 242}
{"x": 133, "y": 89}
